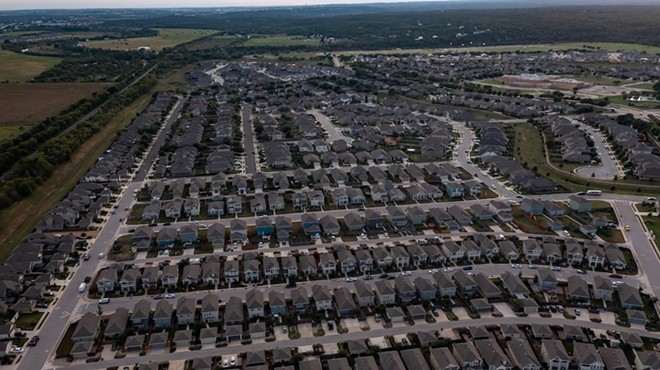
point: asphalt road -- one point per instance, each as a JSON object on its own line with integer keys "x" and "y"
{"x": 333, "y": 131}
{"x": 462, "y": 158}
{"x": 331, "y": 340}
{"x": 248, "y": 140}
{"x": 53, "y": 329}
{"x": 340, "y": 281}
{"x": 71, "y": 303}
{"x": 608, "y": 167}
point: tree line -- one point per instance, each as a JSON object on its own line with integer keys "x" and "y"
{"x": 33, "y": 170}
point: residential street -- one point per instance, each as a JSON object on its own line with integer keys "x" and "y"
{"x": 72, "y": 304}
{"x": 53, "y": 327}
{"x": 248, "y": 140}
{"x": 331, "y": 340}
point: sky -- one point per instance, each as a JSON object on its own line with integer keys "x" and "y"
{"x": 77, "y": 4}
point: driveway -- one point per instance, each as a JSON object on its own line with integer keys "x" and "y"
{"x": 504, "y": 309}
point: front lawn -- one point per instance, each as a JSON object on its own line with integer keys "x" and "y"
{"x": 28, "y": 321}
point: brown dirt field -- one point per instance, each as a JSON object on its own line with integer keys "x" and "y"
{"x": 31, "y": 103}
{"x": 19, "y": 220}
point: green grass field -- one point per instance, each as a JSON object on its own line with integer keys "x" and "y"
{"x": 653, "y": 224}
{"x": 8, "y": 132}
{"x": 20, "y": 33}
{"x": 528, "y": 148}
{"x": 280, "y": 40}
{"x": 617, "y": 99}
{"x": 15, "y": 67}
{"x": 166, "y": 38}
{"x": 611, "y": 46}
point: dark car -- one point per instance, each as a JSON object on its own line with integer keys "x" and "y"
{"x": 88, "y": 279}
{"x": 41, "y": 305}
{"x": 384, "y": 276}
{"x": 467, "y": 268}
{"x": 33, "y": 341}
{"x": 291, "y": 284}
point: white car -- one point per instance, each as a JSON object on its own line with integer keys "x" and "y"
{"x": 556, "y": 268}
{"x": 351, "y": 280}
{"x": 17, "y": 350}
{"x": 225, "y": 364}
{"x": 407, "y": 273}
{"x": 104, "y": 300}
{"x": 170, "y": 295}
{"x": 433, "y": 271}
{"x": 516, "y": 266}
{"x": 448, "y": 269}
{"x": 233, "y": 360}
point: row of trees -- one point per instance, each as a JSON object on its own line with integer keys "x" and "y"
{"x": 33, "y": 170}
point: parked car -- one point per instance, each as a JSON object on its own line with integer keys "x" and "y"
{"x": 41, "y": 305}
{"x": 17, "y": 350}
{"x": 87, "y": 279}
{"x": 467, "y": 268}
{"x": 33, "y": 341}
{"x": 580, "y": 271}
{"x": 104, "y": 300}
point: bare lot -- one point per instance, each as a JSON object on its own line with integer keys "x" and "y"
{"x": 30, "y": 103}
{"x": 167, "y": 37}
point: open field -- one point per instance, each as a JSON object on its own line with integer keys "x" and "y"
{"x": 514, "y": 48}
{"x": 281, "y": 40}
{"x": 21, "y": 217}
{"x": 30, "y": 103}
{"x": 219, "y": 41}
{"x": 175, "y": 80}
{"x": 8, "y": 132}
{"x": 617, "y": 99}
{"x": 15, "y": 67}
{"x": 20, "y": 33}
{"x": 167, "y": 37}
